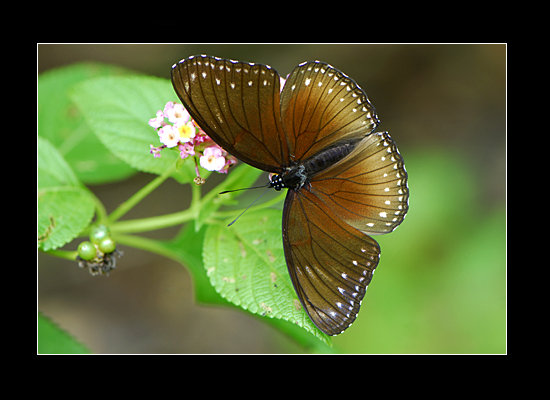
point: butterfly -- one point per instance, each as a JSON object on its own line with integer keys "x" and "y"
{"x": 316, "y": 136}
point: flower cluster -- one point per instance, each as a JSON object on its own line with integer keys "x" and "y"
{"x": 176, "y": 129}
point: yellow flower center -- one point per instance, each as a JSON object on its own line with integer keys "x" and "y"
{"x": 186, "y": 132}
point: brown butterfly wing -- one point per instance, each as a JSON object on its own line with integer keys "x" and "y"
{"x": 330, "y": 262}
{"x": 321, "y": 106}
{"x": 238, "y": 105}
{"x": 368, "y": 188}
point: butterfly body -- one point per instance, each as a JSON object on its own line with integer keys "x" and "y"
{"x": 316, "y": 135}
{"x": 296, "y": 176}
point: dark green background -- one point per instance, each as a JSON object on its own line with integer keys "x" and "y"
{"x": 441, "y": 283}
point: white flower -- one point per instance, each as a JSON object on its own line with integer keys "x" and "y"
{"x": 212, "y": 159}
{"x": 186, "y": 131}
{"x": 176, "y": 113}
{"x": 169, "y": 136}
{"x": 158, "y": 120}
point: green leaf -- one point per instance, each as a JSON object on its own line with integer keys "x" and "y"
{"x": 63, "y": 125}
{"x": 118, "y": 110}
{"x": 64, "y": 207}
{"x": 53, "y": 170}
{"x": 63, "y": 212}
{"x": 246, "y": 265}
{"x": 54, "y": 340}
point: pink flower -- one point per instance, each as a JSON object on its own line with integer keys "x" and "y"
{"x": 212, "y": 159}
{"x": 158, "y": 121}
{"x": 201, "y": 135}
{"x": 155, "y": 151}
{"x": 229, "y": 161}
{"x": 186, "y": 150}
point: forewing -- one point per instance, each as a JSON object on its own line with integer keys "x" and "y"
{"x": 330, "y": 262}
{"x": 320, "y": 106}
{"x": 368, "y": 188}
{"x": 237, "y": 104}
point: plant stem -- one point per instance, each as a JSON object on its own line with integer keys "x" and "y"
{"x": 143, "y": 243}
{"x": 195, "y": 198}
{"x": 67, "y": 254}
{"x": 140, "y": 195}
{"x": 153, "y": 223}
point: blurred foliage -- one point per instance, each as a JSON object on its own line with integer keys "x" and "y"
{"x": 63, "y": 124}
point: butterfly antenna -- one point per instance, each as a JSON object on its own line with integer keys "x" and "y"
{"x": 251, "y": 204}
{"x": 236, "y": 190}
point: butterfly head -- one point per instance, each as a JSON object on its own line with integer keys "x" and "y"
{"x": 276, "y": 182}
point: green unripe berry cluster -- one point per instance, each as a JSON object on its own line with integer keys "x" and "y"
{"x": 98, "y": 253}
